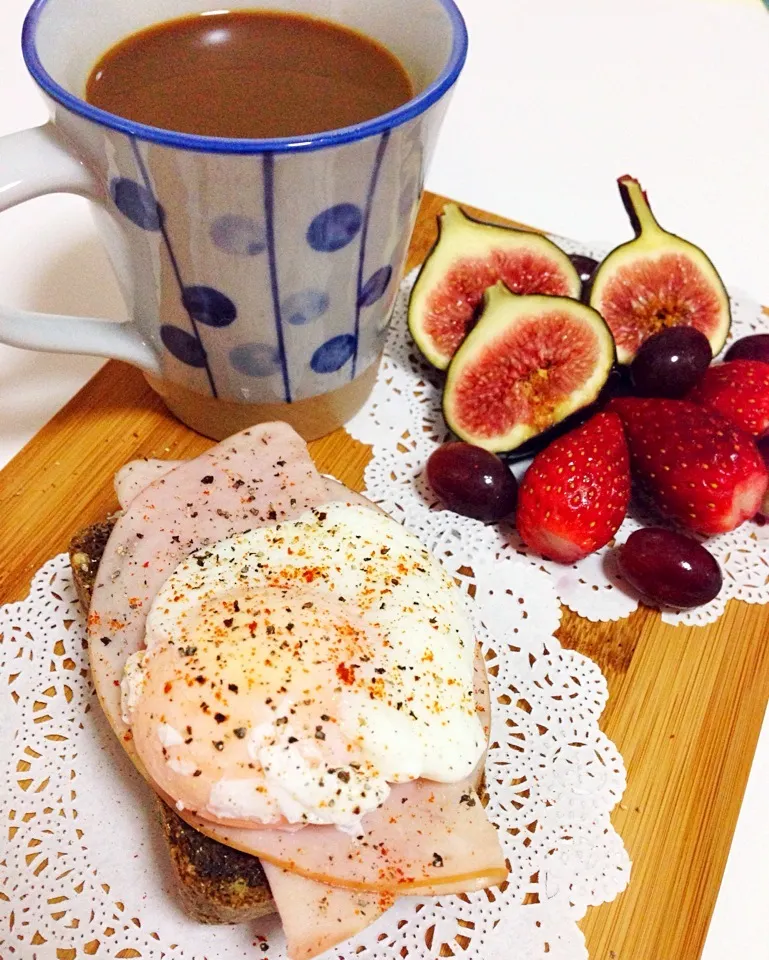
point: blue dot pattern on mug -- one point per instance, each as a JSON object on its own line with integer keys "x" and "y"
{"x": 375, "y": 286}
{"x": 137, "y": 203}
{"x": 182, "y": 345}
{"x": 333, "y": 354}
{"x": 255, "y": 359}
{"x": 209, "y": 306}
{"x": 304, "y": 306}
{"x": 238, "y": 235}
{"x": 334, "y": 228}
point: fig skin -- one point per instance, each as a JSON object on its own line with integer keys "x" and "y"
{"x": 655, "y": 281}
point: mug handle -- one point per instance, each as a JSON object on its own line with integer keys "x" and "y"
{"x": 33, "y": 163}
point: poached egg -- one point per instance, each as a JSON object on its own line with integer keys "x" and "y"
{"x": 293, "y": 672}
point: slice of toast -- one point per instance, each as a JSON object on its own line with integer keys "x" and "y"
{"x": 216, "y": 883}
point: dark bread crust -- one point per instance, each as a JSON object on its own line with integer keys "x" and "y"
{"x": 216, "y": 883}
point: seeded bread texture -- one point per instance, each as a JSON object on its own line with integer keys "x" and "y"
{"x": 216, "y": 883}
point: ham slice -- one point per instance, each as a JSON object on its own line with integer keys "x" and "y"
{"x": 135, "y": 476}
{"x": 259, "y": 476}
{"x": 330, "y": 915}
{"x": 427, "y": 837}
{"x": 327, "y": 915}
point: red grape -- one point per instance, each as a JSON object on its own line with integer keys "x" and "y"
{"x": 669, "y": 569}
{"x": 585, "y": 266}
{"x": 755, "y": 347}
{"x": 670, "y": 363}
{"x": 471, "y": 481}
{"x": 763, "y": 448}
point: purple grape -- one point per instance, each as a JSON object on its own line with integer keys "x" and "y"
{"x": 471, "y": 481}
{"x": 763, "y": 448}
{"x": 585, "y": 266}
{"x": 755, "y": 347}
{"x": 669, "y": 569}
{"x": 670, "y": 363}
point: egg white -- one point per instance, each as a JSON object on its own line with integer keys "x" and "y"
{"x": 403, "y": 700}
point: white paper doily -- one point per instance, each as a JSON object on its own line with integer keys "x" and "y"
{"x": 84, "y": 868}
{"x": 403, "y": 423}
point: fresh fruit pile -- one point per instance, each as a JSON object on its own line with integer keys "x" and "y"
{"x": 604, "y": 374}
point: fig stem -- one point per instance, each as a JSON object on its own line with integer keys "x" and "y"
{"x": 452, "y": 213}
{"x": 637, "y": 206}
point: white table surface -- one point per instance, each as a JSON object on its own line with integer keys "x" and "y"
{"x": 558, "y": 98}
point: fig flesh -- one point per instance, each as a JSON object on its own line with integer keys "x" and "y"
{"x": 468, "y": 258}
{"x": 529, "y": 362}
{"x": 657, "y": 281}
{"x": 616, "y": 385}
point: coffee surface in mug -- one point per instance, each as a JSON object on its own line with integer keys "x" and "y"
{"x": 248, "y": 73}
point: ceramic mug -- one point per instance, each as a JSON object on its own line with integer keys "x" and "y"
{"x": 259, "y": 275}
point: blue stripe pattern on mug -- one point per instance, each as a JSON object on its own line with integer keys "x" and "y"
{"x": 209, "y": 306}
{"x": 137, "y": 203}
{"x": 347, "y": 230}
{"x": 141, "y": 206}
{"x": 375, "y": 286}
{"x": 268, "y": 171}
{"x": 370, "y": 290}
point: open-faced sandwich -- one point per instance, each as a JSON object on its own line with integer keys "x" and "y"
{"x": 296, "y": 678}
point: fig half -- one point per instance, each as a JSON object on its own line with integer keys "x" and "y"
{"x": 530, "y": 362}
{"x": 656, "y": 281}
{"x": 469, "y": 257}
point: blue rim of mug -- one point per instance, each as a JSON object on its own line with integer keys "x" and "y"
{"x": 188, "y": 141}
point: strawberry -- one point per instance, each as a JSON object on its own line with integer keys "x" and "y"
{"x": 695, "y": 465}
{"x": 740, "y": 391}
{"x": 575, "y": 493}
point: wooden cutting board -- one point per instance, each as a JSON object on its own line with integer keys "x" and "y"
{"x": 685, "y": 706}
